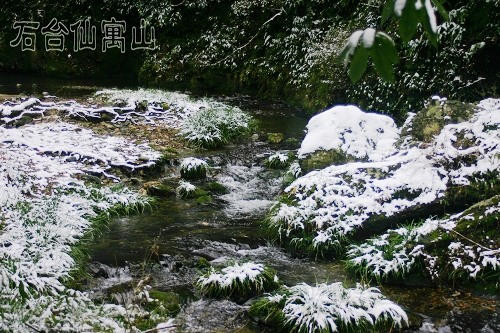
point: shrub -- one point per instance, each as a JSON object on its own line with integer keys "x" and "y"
{"x": 216, "y": 126}
{"x": 238, "y": 280}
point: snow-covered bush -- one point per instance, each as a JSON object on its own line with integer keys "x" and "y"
{"x": 192, "y": 168}
{"x": 238, "y": 280}
{"x": 329, "y": 308}
{"x": 216, "y": 125}
{"x": 348, "y": 129}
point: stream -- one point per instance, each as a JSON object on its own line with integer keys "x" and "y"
{"x": 165, "y": 244}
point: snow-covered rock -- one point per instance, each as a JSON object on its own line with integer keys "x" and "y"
{"x": 323, "y": 206}
{"x": 345, "y": 133}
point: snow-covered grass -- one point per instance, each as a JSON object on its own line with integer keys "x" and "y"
{"x": 322, "y": 207}
{"x": 238, "y": 280}
{"x": 192, "y": 168}
{"x": 216, "y": 125}
{"x": 330, "y": 308}
{"x": 186, "y": 190}
{"x": 279, "y": 160}
{"x": 462, "y": 246}
{"x": 47, "y": 215}
{"x": 57, "y": 149}
{"x": 39, "y": 231}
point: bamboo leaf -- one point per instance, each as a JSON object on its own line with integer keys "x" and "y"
{"x": 387, "y": 11}
{"x": 441, "y": 9}
{"x": 386, "y": 45}
{"x": 383, "y": 65}
{"x": 409, "y": 21}
{"x": 431, "y": 34}
{"x": 358, "y": 64}
{"x": 344, "y": 56}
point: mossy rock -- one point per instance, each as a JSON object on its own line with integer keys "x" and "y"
{"x": 275, "y": 137}
{"x": 430, "y": 121}
{"x": 202, "y": 263}
{"x": 322, "y": 158}
{"x": 24, "y": 121}
{"x": 158, "y": 189}
{"x": 204, "y": 199}
{"x": 198, "y": 192}
{"x": 168, "y": 299}
{"x": 218, "y": 188}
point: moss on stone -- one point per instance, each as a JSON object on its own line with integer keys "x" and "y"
{"x": 218, "y": 188}
{"x": 204, "y": 199}
{"x": 321, "y": 159}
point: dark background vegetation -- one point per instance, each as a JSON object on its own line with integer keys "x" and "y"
{"x": 270, "y": 49}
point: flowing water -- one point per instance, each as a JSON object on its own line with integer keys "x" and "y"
{"x": 176, "y": 234}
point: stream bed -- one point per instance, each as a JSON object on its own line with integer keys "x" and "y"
{"x": 177, "y": 233}
{"x": 164, "y": 246}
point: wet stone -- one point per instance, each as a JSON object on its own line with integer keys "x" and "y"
{"x": 212, "y": 316}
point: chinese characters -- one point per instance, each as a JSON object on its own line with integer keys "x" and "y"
{"x": 84, "y": 35}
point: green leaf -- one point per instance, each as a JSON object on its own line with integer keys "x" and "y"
{"x": 441, "y": 9}
{"x": 386, "y": 45}
{"x": 22, "y": 291}
{"x": 409, "y": 21}
{"x": 344, "y": 55}
{"x": 358, "y": 64}
{"x": 433, "y": 36}
{"x": 387, "y": 11}
{"x": 383, "y": 63}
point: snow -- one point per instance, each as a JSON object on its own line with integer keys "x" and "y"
{"x": 279, "y": 156}
{"x": 353, "y": 41}
{"x": 430, "y": 15}
{"x": 7, "y": 108}
{"x": 368, "y": 38}
{"x": 399, "y": 5}
{"x": 186, "y": 186}
{"x": 47, "y": 147}
{"x": 357, "y": 133}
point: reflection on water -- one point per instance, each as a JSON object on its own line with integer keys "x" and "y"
{"x": 15, "y": 84}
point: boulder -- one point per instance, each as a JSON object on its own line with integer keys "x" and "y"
{"x": 155, "y": 188}
{"x": 346, "y": 134}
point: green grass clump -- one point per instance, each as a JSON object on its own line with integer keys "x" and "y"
{"x": 217, "y": 125}
{"x": 327, "y": 308}
{"x": 279, "y": 161}
{"x": 193, "y": 168}
{"x": 238, "y": 281}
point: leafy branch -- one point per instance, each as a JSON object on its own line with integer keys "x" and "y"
{"x": 380, "y": 46}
